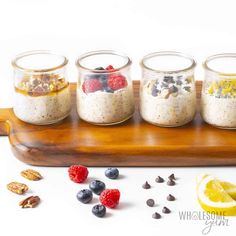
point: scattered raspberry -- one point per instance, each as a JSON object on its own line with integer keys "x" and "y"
{"x": 110, "y": 198}
{"x": 78, "y": 173}
{"x": 91, "y": 85}
{"x": 110, "y": 68}
{"x": 116, "y": 81}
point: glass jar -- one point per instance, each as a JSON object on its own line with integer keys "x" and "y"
{"x": 42, "y": 94}
{"x": 218, "y": 102}
{"x": 167, "y": 90}
{"x": 104, "y": 90}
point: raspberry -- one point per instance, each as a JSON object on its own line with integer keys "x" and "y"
{"x": 110, "y": 68}
{"x": 116, "y": 81}
{"x": 110, "y": 198}
{"x": 91, "y": 85}
{"x": 78, "y": 173}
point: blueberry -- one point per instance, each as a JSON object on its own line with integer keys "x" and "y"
{"x": 85, "y": 195}
{"x": 97, "y": 186}
{"x": 173, "y": 89}
{"x": 108, "y": 90}
{"x": 99, "y": 210}
{"x": 112, "y": 173}
{"x": 99, "y": 68}
{"x": 154, "y": 92}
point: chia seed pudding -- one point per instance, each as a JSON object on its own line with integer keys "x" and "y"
{"x": 169, "y": 101}
{"x": 42, "y": 99}
{"x": 218, "y": 103}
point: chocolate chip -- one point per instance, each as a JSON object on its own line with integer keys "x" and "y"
{"x": 172, "y": 176}
{"x": 146, "y": 185}
{"x": 165, "y": 210}
{"x": 168, "y": 79}
{"x": 187, "y": 88}
{"x": 170, "y": 197}
{"x": 159, "y": 179}
{"x": 150, "y": 202}
{"x": 156, "y": 215}
{"x": 171, "y": 182}
{"x": 173, "y": 89}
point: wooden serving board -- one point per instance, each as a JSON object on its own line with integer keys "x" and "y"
{"x": 133, "y": 143}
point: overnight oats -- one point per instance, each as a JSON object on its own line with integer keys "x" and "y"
{"x": 104, "y": 90}
{"x": 167, "y": 91}
{"x": 42, "y": 94}
{"x": 218, "y": 103}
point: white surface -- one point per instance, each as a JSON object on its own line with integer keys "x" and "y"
{"x": 135, "y": 27}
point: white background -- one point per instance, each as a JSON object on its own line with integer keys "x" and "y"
{"x": 136, "y": 27}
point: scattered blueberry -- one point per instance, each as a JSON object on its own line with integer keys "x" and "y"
{"x": 187, "y": 88}
{"x": 154, "y": 92}
{"x": 112, "y": 173}
{"x": 99, "y": 210}
{"x": 169, "y": 79}
{"x": 85, "y": 195}
{"x": 97, "y": 186}
{"x": 179, "y": 82}
{"x": 108, "y": 90}
{"x": 99, "y": 68}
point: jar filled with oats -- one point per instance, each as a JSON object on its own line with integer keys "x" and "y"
{"x": 104, "y": 91}
{"x": 42, "y": 94}
{"x": 167, "y": 90}
{"x": 218, "y": 102}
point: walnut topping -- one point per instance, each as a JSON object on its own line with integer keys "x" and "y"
{"x": 31, "y": 174}
{"x": 17, "y": 188}
{"x": 30, "y": 202}
{"x": 41, "y": 84}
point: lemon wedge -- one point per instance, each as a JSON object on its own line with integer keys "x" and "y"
{"x": 229, "y": 188}
{"x": 213, "y": 197}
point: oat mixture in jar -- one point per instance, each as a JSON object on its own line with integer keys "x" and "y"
{"x": 42, "y": 94}
{"x": 167, "y": 96}
{"x": 104, "y": 90}
{"x": 218, "y": 102}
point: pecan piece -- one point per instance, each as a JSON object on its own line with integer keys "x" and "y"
{"x": 31, "y": 174}
{"x": 17, "y": 187}
{"x": 30, "y": 202}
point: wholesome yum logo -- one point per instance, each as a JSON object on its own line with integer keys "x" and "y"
{"x": 210, "y": 219}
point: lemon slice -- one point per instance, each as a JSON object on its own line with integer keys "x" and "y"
{"x": 229, "y": 188}
{"x": 213, "y": 198}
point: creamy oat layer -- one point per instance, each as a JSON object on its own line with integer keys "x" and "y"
{"x": 105, "y": 108}
{"x": 174, "y": 111}
{"x": 220, "y": 112}
{"x": 44, "y": 109}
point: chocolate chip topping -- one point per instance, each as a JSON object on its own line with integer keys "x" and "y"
{"x": 171, "y": 182}
{"x": 150, "y": 202}
{"x": 159, "y": 179}
{"x": 156, "y": 215}
{"x": 170, "y": 197}
{"x": 172, "y": 176}
{"x": 146, "y": 185}
{"x": 165, "y": 210}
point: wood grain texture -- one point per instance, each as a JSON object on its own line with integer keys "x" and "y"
{"x": 133, "y": 143}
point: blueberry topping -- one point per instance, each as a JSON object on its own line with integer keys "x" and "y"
{"x": 108, "y": 90}
{"x": 97, "y": 186}
{"x": 179, "y": 82}
{"x": 112, "y": 173}
{"x": 99, "y": 210}
{"x": 99, "y": 68}
{"x": 85, "y": 196}
{"x": 154, "y": 92}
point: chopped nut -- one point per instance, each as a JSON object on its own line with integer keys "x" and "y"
{"x": 31, "y": 174}
{"x": 17, "y": 188}
{"x": 30, "y": 202}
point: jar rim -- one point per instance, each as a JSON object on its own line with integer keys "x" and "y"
{"x": 216, "y": 56}
{"x": 168, "y": 53}
{"x": 35, "y": 52}
{"x": 100, "y": 52}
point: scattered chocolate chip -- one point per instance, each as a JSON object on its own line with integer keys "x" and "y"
{"x": 156, "y": 215}
{"x": 172, "y": 176}
{"x": 171, "y": 182}
{"x": 165, "y": 210}
{"x": 146, "y": 185}
{"x": 170, "y": 197}
{"x": 159, "y": 179}
{"x": 168, "y": 79}
{"x": 150, "y": 202}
